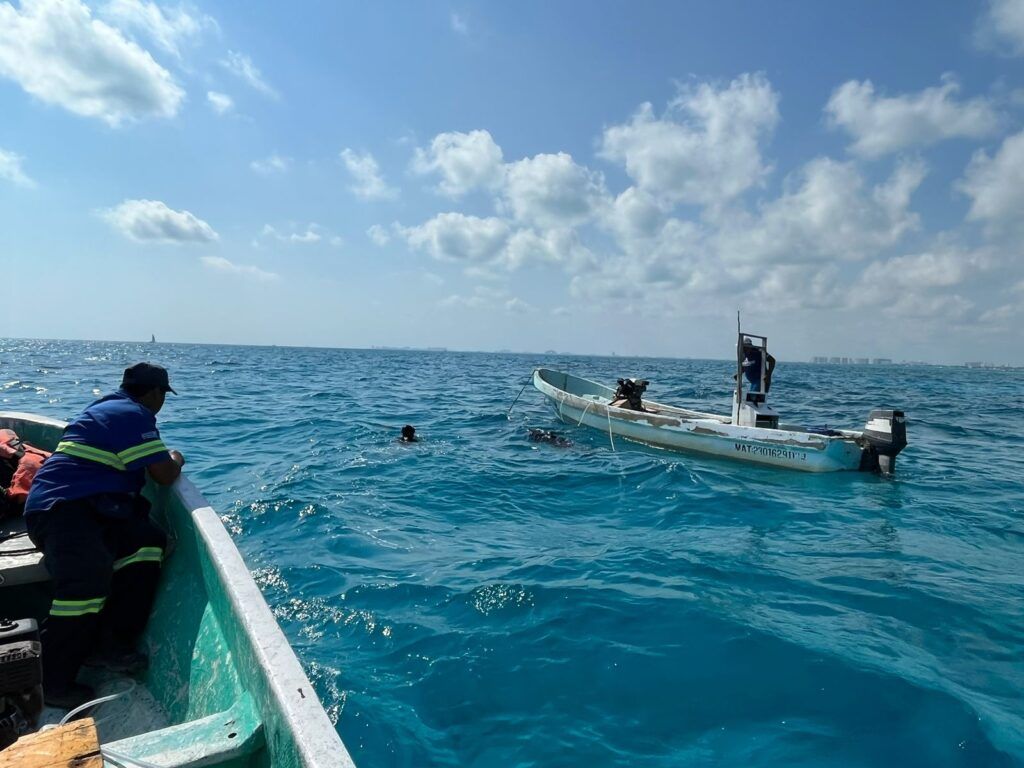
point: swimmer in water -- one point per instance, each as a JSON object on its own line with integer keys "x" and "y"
{"x": 408, "y": 434}
{"x": 547, "y": 436}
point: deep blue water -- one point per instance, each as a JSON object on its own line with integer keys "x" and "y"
{"x": 478, "y": 599}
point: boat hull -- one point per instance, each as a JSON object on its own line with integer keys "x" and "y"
{"x": 585, "y": 403}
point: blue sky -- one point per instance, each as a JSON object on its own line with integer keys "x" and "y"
{"x": 588, "y": 177}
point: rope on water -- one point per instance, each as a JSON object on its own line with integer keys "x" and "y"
{"x": 608, "y": 413}
{"x": 509, "y": 414}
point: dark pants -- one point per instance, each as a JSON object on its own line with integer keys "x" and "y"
{"x": 104, "y": 571}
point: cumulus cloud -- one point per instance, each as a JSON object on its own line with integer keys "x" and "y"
{"x": 378, "y": 235}
{"x": 271, "y": 164}
{"x": 552, "y": 191}
{"x": 826, "y": 212}
{"x": 11, "y": 170}
{"x": 220, "y": 264}
{"x": 706, "y": 148}
{"x": 168, "y": 28}
{"x": 482, "y": 297}
{"x": 152, "y": 221}
{"x": 518, "y": 306}
{"x": 458, "y": 237}
{"x": 996, "y": 185}
{"x": 881, "y": 124}
{"x": 465, "y": 161}
{"x": 312, "y": 234}
{"x": 220, "y": 103}
{"x": 1001, "y": 27}
{"x": 58, "y": 53}
{"x": 243, "y": 67}
{"x": 368, "y": 182}
{"x": 553, "y": 246}
{"x": 793, "y": 251}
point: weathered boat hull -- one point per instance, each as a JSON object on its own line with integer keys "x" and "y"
{"x": 221, "y": 670}
{"x": 585, "y": 403}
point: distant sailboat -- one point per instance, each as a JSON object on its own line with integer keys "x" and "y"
{"x": 152, "y": 338}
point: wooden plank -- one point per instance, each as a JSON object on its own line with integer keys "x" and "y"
{"x": 74, "y": 745}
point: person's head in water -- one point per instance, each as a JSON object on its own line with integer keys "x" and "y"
{"x": 409, "y": 434}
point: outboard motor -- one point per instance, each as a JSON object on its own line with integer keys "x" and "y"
{"x": 885, "y": 435}
{"x": 21, "y": 679}
{"x": 632, "y": 391}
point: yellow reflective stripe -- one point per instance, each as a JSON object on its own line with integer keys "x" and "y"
{"x": 143, "y": 555}
{"x": 76, "y": 607}
{"x": 141, "y": 451}
{"x": 82, "y": 451}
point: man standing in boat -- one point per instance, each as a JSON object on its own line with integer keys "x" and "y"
{"x": 85, "y": 512}
{"x": 754, "y": 359}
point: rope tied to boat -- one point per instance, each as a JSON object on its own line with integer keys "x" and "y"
{"x": 509, "y": 414}
{"x": 578, "y": 423}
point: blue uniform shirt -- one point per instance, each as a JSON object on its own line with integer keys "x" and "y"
{"x": 105, "y": 450}
{"x": 753, "y": 360}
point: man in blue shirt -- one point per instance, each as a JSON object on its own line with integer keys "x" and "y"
{"x": 86, "y": 514}
{"x": 754, "y": 358}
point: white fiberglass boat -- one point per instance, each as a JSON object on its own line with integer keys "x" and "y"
{"x": 752, "y": 433}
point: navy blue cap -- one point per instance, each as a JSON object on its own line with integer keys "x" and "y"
{"x": 146, "y": 376}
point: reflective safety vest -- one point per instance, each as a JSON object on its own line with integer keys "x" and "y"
{"x": 118, "y": 461}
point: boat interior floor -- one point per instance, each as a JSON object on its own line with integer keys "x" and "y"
{"x": 134, "y": 711}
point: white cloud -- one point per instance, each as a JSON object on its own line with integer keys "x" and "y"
{"x": 553, "y": 246}
{"x": 369, "y": 184}
{"x": 825, "y": 213}
{"x": 882, "y": 124}
{"x": 792, "y": 252}
{"x": 379, "y": 235}
{"x": 312, "y": 234}
{"x": 10, "y": 169}
{"x": 458, "y": 237}
{"x": 939, "y": 269}
{"x": 635, "y": 216}
{"x": 459, "y": 24}
{"x": 220, "y": 103}
{"x": 517, "y": 306}
{"x": 482, "y": 297}
{"x": 58, "y": 53}
{"x": 220, "y": 264}
{"x": 706, "y": 149}
{"x": 271, "y": 164}
{"x": 168, "y": 28}
{"x": 465, "y": 161}
{"x": 242, "y": 67}
{"x": 153, "y": 221}
{"x": 553, "y": 191}
{"x": 996, "y": 185}
{"x": 1001, "y": 27}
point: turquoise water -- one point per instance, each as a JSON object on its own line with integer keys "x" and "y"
{"x": 478, "y": 599}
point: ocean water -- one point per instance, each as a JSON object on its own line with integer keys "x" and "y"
{"x": 479, "y": 599}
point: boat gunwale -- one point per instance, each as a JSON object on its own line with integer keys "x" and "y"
{"x": 314, "y": 736}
